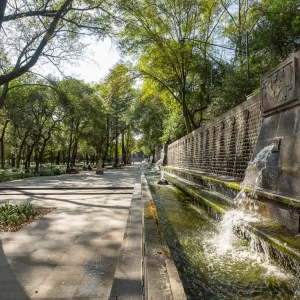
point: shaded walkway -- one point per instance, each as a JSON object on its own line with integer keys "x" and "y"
{"x": 73, "y": 251}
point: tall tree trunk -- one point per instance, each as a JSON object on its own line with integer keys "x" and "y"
{"x": 20, "y": 151}
{"x": 185, "y": 110}
{"x": 186, "y": 117}
{"x": 3, "y": 93}
{"x": 74, "y": 154}
{"x": 58, "y": 157}
{"x": 123, "y": 149}
{"x": 40, "y": 154}
{"x": 2, "y": 144}
{"x": 127, "y": 150}
{"x": 110, "y": 153}
{"x": 69, "y": 150}
{"x": 104, "y": 157}
{"x": 116, "y": 152}
{"x": 37, "y": 159}
{"x": 153, "y": 156}
{"x": 28, "y": 157}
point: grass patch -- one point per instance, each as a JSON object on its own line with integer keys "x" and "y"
{"x": 15, "y": 216}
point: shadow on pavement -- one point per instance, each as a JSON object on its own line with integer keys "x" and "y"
{"x": 10, "y": 287}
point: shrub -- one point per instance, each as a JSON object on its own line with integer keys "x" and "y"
{"x": 13, "y": 214}
{"x": 14, "y": 174}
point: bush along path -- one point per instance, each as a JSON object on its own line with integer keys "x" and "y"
{"x": 15, "y": 216}
{"x": 14, "y": 174}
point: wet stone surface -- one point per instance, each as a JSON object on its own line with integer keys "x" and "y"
{"x": 207, "y": 269}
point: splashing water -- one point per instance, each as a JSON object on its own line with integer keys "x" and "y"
{"x": 226, "y": 243}
{"x": 237, "y": 219}
{"x": 253, "y": 175}
{"x": 253, "y": 178}
{"x": 232, "y": 220}
{"x": 210, "y": 266}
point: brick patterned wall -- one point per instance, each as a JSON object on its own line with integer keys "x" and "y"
{"x": 223, "y": 146}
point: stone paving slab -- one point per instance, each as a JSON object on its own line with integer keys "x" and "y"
{"x": 72, "y": 252}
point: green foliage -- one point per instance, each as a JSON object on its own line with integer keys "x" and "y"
{"x": 165, "y": 34}
{"x": 117, "y": 93}
{"x": 13, "y": 214}
{"x": 190, "y": 58}
{"x": 14, "y": 174}
{"x": 230, "y": 91}
{"x": 173, "y": 126}
{"x": 277, "y": 32}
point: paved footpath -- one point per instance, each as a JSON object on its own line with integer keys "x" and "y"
{"x": 72, "y": 252}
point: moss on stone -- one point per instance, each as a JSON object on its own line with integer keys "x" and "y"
{"x": 190, "y": 190}
{"x": 272, "y": 233}
{"x": 235, "y": 185}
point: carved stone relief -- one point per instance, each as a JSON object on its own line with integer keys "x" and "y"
{"x": 279, "y": 86}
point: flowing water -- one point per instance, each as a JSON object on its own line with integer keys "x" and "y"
{"x": 254, "y": 172}
{"x": 213, "y": 263}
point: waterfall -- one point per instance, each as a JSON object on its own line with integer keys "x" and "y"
{"x": 254, "y": 171}
{"x": 237, "y": 220}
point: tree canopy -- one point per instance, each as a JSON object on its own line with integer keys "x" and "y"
{"x": 185, "y": 62}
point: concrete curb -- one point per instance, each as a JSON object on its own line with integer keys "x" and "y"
{"x": 144, "y": 269}
{"x": 128, "y": 279}
{"x": 161, "y": 276}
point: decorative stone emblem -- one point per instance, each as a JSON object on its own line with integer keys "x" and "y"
{"x": 278, "y": 87}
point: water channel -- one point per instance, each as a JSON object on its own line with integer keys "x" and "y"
{"x": 211, "y": 263}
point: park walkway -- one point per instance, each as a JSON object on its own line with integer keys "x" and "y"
{"x": 73, "y": 252}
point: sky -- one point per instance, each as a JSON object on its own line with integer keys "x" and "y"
{"x": 98, "y": 58}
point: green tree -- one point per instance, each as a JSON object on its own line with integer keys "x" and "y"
{"x": 77, "y": 103}
{"x": 277, "y": 31}
{"x": 117, "y": 93}
{"x": 156, "y": 121}
{"x": 33, "y": 30}
{"x": 34, "y": 118}
{"x": 164, "y": 35}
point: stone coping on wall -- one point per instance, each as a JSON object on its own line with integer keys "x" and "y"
{"x": 234, "y": 184}
{"x": 271, "y": 232}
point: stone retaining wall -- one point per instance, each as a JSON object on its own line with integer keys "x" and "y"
{"x": 223, "y": 146}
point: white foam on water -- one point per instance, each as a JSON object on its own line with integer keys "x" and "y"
{"x": 232, "y": 220}
{"x": 225, "y": 243}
